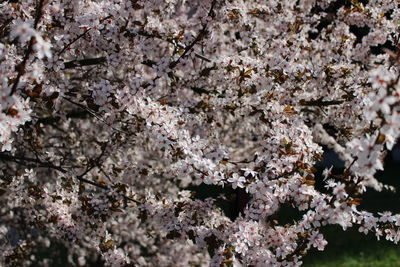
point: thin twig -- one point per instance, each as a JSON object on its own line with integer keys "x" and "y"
{"x": 199, "y": 36}
{"x": 171, "y": 41}
{"x": 79, "y": 37}
{"x": 73, "y": 41}
{"x": 95, "y": 115}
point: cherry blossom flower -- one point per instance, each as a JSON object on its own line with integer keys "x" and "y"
{"x": 317, "y": 240}
{"x": 22, "y": 30}
{"x": 237, "y": 181}
{"x": 42, "y": 47}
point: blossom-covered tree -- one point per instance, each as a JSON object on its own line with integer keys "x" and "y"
{"x": 112, "y": 111}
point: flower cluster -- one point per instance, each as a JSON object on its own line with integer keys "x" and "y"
{"x": 173, "y": 132}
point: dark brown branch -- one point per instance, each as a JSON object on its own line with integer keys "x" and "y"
{"x": 38, "y": 14}
{"x": 199, "y": 37}
{"x": 200, "y": 90}
{"x": 17, "y": 159}
{"x": 20, "y": 68}
{"x": 94, "y": 163}
{"x": 321, "y": 103}
{"x": 84, "y": 62}
{"x": 3, "y": 27}
{"x": 81, "y": 114}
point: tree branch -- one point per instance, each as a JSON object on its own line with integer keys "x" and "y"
{"x": 321, "y": 103}
{"x": 17, "y": 159}
{"x": 84, "y": 62}
{"x": 21, "y": 67}
{"x": 200, "y": 36}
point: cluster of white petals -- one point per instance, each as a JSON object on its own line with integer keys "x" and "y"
{"x": 174, "y": 132}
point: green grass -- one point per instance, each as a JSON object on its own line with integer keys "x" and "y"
{"x": 353, "y": 249}
{"x": 384, "y": 257}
